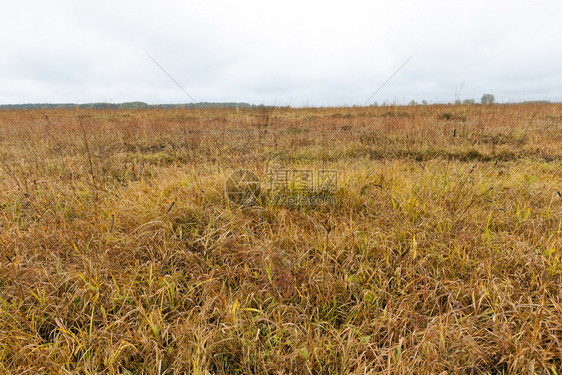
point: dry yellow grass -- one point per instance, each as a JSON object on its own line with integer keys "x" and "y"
{"x": 119, "y": 252}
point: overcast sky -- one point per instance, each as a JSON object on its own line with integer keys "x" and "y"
{"x": 292, "y": 52}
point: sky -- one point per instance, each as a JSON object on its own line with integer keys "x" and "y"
{"x": 285, "y": 53}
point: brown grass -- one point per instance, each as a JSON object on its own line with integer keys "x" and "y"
{"x": 119, "y": 252}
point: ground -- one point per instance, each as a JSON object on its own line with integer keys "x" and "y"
{"x": 439, "y": 250}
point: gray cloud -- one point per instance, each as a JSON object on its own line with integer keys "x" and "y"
{"x": 294, "y": 52}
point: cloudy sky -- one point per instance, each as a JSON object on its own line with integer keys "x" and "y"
{"x": 292, "y": 52}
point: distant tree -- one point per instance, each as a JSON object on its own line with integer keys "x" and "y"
{"x": 424, "y": 102}
{"x": 133, "y": 105}
{"x": 413, "y": 102}
{"x": 487, "y": 99}
{"x": 468, "y": 101}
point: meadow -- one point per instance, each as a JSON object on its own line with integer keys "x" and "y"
{"x": 441, "y": 251}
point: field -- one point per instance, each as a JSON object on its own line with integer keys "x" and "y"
{"x": 440, "y": 250}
